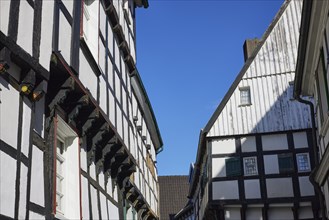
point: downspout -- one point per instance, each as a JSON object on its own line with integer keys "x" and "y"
{"x": 317, "y": 187}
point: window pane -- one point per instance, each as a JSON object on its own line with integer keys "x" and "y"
{"x": 250, "y": 166}
{"x": 303, "y": 162}
{"x": 245, "y": 96}
{"x": 286, "y": 163}
{"x": 233, "y": 167}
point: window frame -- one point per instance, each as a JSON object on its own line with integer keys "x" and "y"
{"x": 243, "y": 100}
{"x": 244, "y": 166}
{"x": 281, "y": 158}
{"x": 70, "y": 155}
{"x": 229, "y": 164}
{"x": 308, "y": 163}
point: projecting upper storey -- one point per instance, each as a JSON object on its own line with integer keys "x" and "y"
{"x": 89, "y": 45}
{"x": 261, "y": 97}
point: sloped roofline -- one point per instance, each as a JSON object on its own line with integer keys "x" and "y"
{"x": 245, "y": 68}
{"x": 203, "y": 133}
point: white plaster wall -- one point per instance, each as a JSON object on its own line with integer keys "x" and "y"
{"x": 8, "y": 113}
{"x": 300, "y": 140}
{"x": 87, "y": 76}
{"x": 275, "y": 142}
{"x": 275, "y": 189}
{"x": 218, "y": 167}
{"x": 39, "y": 117}
{"x": 305, "y": 212}
{"x": 22, "y": 192}
{"x": 113, "y": 210}
{"x": 112, "y": 108}
{"x": 25, "y": 26}
{"x": 94, "y": 202}
{"x": 83, "y": 159}
{"x": 280, "y": 213}
{"x": 7, "y": 186}
{"x": 102, "y": 21}
{"x": 306, "y": 188}
{"x": 26, "y": 126}
{"x": 84, "y": 198}
{"x": 4, "y": 11}
{"x": 46, "y": 33}
{"x": 101, "y": 180}
{"x": 109, "y": 188}
{"x": 119, "y": 125}
{"x": 64, "y": 39}
{"x": 248, "y": 144}
{"x": 232, "y": 214}
{"x": 271, "y": 164}
{"x": 37, "y": 178}
{"x": 252, "y": 189}
{"x": 35, "y": 216}
{"x": 103, "y": 89}
{"x": 225, "y": 190}
{"x": 224, "y": 146}
{"x": 92, "y": 169}
{"x": 90, "y": 27}
{"x": 254, "y": 214}
{"x": 103, "y": 205}
{"x": 72, "y": 192}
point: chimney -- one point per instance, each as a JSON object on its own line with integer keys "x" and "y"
{"x": 249, "y": 47}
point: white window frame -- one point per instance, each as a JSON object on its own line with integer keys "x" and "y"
{"x": 70, "y": 171}
{"x": 245, "y": 100}
{"x": 60, "y": 158}
{"x": 245, "y": 168}
{"x": 308, "y": 162}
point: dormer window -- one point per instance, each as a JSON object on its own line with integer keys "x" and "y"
{"x": 245, "y": 96}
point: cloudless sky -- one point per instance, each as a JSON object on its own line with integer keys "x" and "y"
{"x": 188, "y": 54}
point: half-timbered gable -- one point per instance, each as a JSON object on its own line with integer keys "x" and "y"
{"x": 255, "y": 154}
{"x": 78, "y": 135}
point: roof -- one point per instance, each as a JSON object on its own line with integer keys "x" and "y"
{"x": 173, "y": 194}
{"x": 203, "y": 133}
{"x": 302, "y": 47}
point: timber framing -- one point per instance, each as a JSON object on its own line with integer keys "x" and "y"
{"x": 68, "y": 98}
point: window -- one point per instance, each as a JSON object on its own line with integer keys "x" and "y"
{"x": 250, "y": 166}
{"x": 291, "y": 91}
{"x": 60, "y": 176}
{"x": 322, "y": 87}
{"x": 303, "y": 162}
{"x": 245, "y": 96}
{"x": 67, "y": 172}
{"x": 233, "y": 166}
{"x": 286, "y": 163}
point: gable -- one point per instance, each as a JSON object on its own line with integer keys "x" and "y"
{"x": 268, "y": 74}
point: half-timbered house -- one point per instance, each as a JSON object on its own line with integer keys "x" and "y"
{"x": 78, "y": 136}
{"x": 312, "y": 80}
{"x": 255, "y": 154}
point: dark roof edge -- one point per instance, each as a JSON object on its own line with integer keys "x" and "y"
{"x": 204, "y": 132}
{"x": 302, "y": 46}
{"x": 149, "y": 110}
{"x": 245, "y": 67}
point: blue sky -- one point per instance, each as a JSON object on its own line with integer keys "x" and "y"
{"x": 188, "y": 54}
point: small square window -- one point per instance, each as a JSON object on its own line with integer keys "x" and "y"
{"x": 303, "y": 162}
{"x": 245, "y": 96}
{"x": 233, "y": 166}
{"x": 250, "y": 166}
{"x": 291, "y": 91}
{"x": 286, "y": 163}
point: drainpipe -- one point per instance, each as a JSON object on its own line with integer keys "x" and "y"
{"x": 316, "y": 157}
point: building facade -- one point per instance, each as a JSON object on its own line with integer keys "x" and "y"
{"x": 312, "y": 80}
{"x": 78, "y": 136}
{"x": 173, "y": 191}
{"x": 255, "y": 154}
